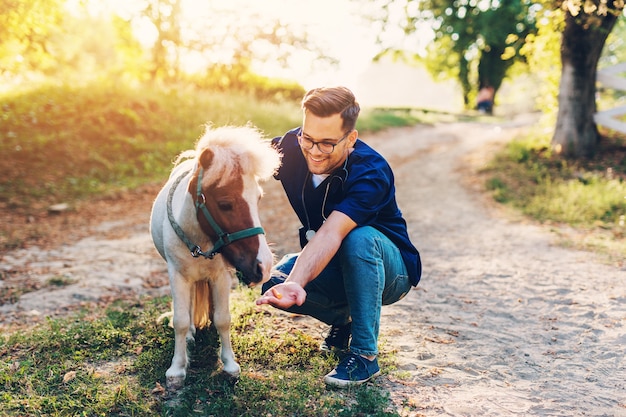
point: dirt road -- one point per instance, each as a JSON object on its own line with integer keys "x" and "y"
{"x": 504, "y": 323}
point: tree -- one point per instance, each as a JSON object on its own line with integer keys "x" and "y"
{"x": 587, "y": 26}
{"x": 476, "y": 41}
{"x": 584, "y": 26}
{"x": 218, "y": 35}
{"x": 25, "y": 29}
{"x": 165, "y": 15}
{"x": 67, "y": 41}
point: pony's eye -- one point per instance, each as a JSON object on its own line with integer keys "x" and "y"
{"x": 225, "y": 206}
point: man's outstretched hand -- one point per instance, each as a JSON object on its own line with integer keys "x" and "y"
{"x": 283, "y": 295}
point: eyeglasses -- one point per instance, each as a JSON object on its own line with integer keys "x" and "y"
{"x": 324, "y": 147}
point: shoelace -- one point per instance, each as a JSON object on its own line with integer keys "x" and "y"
{"x": 334, "y": 332}
{"x": 351, "y": 363}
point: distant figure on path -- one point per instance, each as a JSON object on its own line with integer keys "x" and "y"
{"x": 484, "y": 100}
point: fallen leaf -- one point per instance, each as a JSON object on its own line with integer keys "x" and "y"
{"x": 69, "y": 376}
{"x": 158, "y": 390}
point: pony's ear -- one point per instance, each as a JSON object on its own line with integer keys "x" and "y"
{"x": 206, "y": 157}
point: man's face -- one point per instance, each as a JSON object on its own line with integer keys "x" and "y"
{"x": 325, "y": 130}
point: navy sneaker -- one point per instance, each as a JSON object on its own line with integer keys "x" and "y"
{"x": 352, "y": 370}
{"x": 338, "y": 338}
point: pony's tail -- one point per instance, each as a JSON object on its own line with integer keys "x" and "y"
{"x": 202, "y": 305}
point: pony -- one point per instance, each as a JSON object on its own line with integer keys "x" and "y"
{"x": 211, "y": 201}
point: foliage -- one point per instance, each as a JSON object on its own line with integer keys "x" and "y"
{"x": 614, "y": 52}
{"x": 25, "y": 30}
{"x": 237, "y": 78}
{"x": 164, "y": 41}
{"x": 544, "y": 62}
{"x": 615, "y": 49}
{"x": 590, "y": 9}
{"x": 165, "y": 16}
{"x": 204, "y": 37}
{"x": 54, "y": 42}
{"x": 478, "y": 42}
{"x": 113, "y": 362}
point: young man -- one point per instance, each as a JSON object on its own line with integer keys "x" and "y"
{"x": 356, "y": 254}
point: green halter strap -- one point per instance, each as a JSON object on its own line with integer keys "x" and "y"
{"x": 223, "y": 240}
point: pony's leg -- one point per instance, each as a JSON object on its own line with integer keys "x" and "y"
{"x": 191, "y": 333}
{"x": 181, "y": 299}
{"x": 220, "y": 294}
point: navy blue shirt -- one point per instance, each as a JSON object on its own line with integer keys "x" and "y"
{"x": 362, "y": 188}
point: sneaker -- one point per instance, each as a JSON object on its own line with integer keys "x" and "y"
{"x": 352, "y": 370}
{"x": 338, "y": 338}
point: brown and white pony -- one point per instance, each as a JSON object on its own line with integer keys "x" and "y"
{"x": 205, "y": 224}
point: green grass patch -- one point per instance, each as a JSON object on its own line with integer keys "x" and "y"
{"x": 372, "y": 120}
{"x": 113, "y": 362}
{"x": 587, "y": 194}
{"x": 62, "y": 144}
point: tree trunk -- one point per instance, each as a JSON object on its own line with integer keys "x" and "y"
{"x": 466, "y": 86}
{"x": 576, "y": 134}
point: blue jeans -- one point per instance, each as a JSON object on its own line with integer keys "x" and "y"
{"x": 366, "y": 273}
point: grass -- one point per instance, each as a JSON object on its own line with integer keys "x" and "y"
{"x": 114, "y": 362}
{"x": 62, "y": 145}
{"x": 373, "y": 120}
{"x": 587, "y": 195}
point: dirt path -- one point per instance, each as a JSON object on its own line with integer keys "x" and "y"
{"x": 503, "y": 323}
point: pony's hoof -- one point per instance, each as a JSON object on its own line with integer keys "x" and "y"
{"x": 231, "y": 379}
{"x": 174, "y": 383}
{"x": 232, "y": 372}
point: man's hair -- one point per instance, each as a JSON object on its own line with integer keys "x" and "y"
{"x": 326, "y": 101}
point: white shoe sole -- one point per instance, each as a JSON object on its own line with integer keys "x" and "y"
{"x": 342, "y": 383}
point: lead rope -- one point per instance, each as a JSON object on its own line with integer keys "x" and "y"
{"x": 193, "y": 248}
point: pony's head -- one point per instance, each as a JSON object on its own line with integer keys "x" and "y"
{"x": 232, "y": 161}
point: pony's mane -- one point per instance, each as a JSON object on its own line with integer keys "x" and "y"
{"x": 244, "y": 144}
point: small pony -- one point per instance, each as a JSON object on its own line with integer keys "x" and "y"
{"x": 211, "y": 199}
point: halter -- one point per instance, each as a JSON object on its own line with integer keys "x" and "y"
{"x": 223, "y": 240}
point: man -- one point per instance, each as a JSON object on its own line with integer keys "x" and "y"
{"x": 356, "y": 253}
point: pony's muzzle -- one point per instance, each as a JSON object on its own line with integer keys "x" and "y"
{"x": 255, "y": 274}
{"x": 257, "y": 269}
